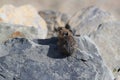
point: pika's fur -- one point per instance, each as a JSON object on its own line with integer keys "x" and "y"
{"x": 66, "y": 41}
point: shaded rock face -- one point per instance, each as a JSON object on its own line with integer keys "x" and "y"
{"x": 24, "y": 15}
{"x": 87, "y": 20}
{"x": 41, "y": 60}
{"x": 8, "y": 31}
{"x": 54, "y": 20}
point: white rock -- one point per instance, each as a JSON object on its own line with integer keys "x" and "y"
{"x": 24, "y": 15}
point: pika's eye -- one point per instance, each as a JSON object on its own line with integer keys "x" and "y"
{"x": 59, "y": 29}
{"x": 66, "y": 34}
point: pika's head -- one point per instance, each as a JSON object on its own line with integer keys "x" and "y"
{"x": 64, "y": 32}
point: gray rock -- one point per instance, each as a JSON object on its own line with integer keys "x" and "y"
{"x": 102, "y": 28}
{"x": 41, "y": 60}
{"x": 8, "y": 31}
{"x": 54, "y": 19}
{"x": 87, "y": 20}
{"x": 107, "y": 39}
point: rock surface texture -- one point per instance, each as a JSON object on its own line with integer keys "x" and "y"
{"x": 86, "y": 21}
{"x": 108, "y": 40}
{"x": 32, "y": 61}
{"x": 8, "y": 31}
{"x": 24, "y": 15}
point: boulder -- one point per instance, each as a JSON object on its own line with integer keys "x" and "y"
{"x": 104, "y": 30}
{"x": 107, "y": 39}
{"x": 40, "y": 59}
{"x": 24, "y": 15}
{"x": 87, "y": 20}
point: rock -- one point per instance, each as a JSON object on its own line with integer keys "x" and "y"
{"x": 86, "y": 21}
{"x": 107, "y": 39}
{"x": 8, "y": 31}
{"x": 40, "y": 60}
{"x": 102, "y": 28}
{"x": 54, "y": 20}
{"x": 118, "y": 78}
{"x": 24, "y": 15}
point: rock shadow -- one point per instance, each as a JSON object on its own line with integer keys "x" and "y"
{"x": 53, "y": 48}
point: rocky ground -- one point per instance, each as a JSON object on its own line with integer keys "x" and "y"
{"x": 28, "y": 45}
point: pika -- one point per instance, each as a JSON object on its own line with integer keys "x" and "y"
{"x": 66, "y": 42}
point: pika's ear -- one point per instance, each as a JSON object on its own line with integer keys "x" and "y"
{"x": 67, "y": 26}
